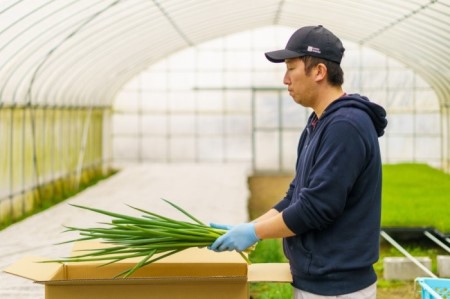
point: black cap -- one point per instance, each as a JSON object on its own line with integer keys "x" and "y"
{"x": 314, "y": 41}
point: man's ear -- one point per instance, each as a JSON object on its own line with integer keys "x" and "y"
{"x": 320, "y": 72}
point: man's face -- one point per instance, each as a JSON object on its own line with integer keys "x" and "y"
{"x": 301, "y": 86}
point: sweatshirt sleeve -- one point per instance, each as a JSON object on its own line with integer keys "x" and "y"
{"x": 339, "y": 158}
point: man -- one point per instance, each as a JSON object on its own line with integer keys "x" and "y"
{"x": 330, "y": 216}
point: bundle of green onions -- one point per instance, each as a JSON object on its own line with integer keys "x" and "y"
{"x": 145, "y": 236}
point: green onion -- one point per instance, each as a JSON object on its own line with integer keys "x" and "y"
{"x": 151, "y": 236}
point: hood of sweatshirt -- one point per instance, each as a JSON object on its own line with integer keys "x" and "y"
{"x": 375, "y": 111}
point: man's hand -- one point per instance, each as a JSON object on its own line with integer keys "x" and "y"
{"x": 239, "y": 238}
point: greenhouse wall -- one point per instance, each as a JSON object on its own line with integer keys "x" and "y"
{"x": 222, "y": 102}
{"x": 47, "y": 153}
{"x": 445, "y": 112}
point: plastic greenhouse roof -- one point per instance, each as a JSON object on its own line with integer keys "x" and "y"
{"x": 81, "y": 52}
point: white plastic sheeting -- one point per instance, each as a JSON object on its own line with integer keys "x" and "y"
{"x": 66, "y": 52}
{"x": 82, "y": 52}
{"x": 223, "y": 101}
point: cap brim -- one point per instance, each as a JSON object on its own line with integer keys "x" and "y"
{"x": 281, "y": 55}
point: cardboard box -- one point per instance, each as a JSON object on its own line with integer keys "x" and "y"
{"x": 193, "y": 273}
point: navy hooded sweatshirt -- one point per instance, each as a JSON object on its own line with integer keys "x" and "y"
{"x": 333, "y": 205}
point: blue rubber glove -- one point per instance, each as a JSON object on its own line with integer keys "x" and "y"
{"x": 239, "y": 238}
{"x": 221, "y": 226}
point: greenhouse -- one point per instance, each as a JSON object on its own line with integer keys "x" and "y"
{"x": 180, "y": 91}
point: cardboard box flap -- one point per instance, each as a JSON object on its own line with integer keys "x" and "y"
{"x": 269, "y": 272}
{"x": 29, "y": 267}
{"x": 192, "y": 262}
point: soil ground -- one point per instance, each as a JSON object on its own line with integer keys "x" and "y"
{"x": 265, "y": 191}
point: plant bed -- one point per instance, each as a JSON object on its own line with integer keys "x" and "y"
{"x": 419, "y": 198}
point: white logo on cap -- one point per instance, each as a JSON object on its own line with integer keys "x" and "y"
{"x": 313, "y": 49}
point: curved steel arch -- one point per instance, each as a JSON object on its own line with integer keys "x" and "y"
{"x": 55, "y": 61}
{"x": 105, "y": 58}
{"x": 39, "y": 63}
{"x": 90, "y": 19}
{"x": 14, "y": 67}
{"x": 111, "y": 68}
{"x": 391, "y": 27}
{"x": 87, "y": 54}
{"x": 111, "y": 63}
{"x": 26, "y": 15}
{"x": 436, "y": 81}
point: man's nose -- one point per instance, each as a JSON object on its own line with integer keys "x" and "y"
{"x": 286, "y": 80}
